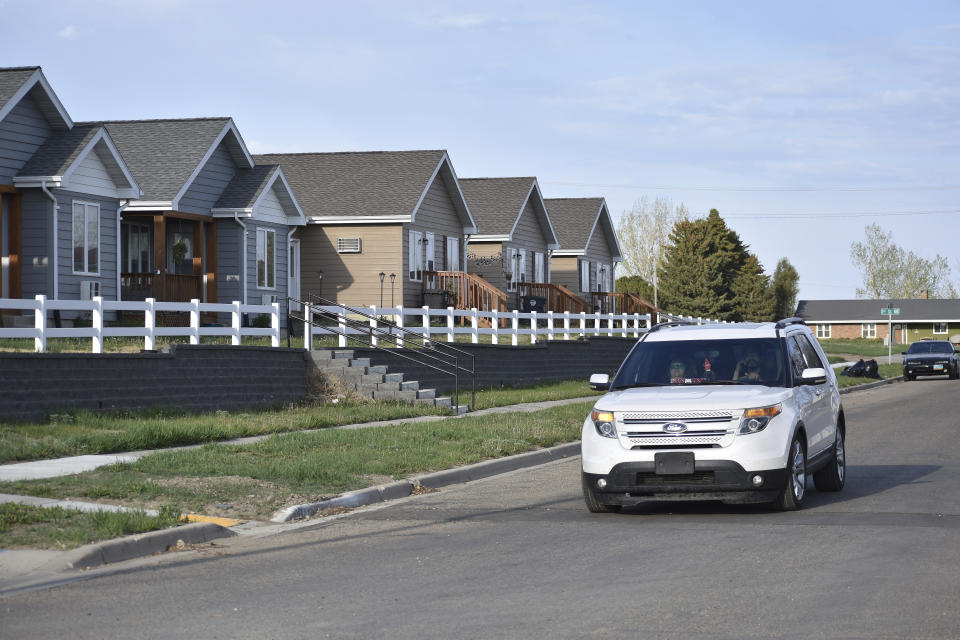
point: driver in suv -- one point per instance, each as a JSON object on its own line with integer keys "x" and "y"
{"x": 758, "y": 413}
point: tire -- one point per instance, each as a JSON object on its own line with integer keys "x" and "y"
{"x": 909, "y": 377}
{"x": 791, "y": 498}
{"x": 955, "y": 373}
{"x": 834, "y": 475}
{"x": 590, "y": 498}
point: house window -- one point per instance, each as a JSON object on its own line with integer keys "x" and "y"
{"x": 584, "y": 275}
{"x": 939, "y": 327}
{"x": 348, "y": 245}
{"x": 266, "y": 259}
{"x": 823, "y": 331}
{"x": 86, "y": 238}
{"x": 137, "y": 249}
{"x": 538, "y": 265}
{"x": 420, "y": 254}
{"x": 453, "y": 254}
{"x": 868, "y": 330}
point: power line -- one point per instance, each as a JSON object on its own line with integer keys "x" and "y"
{"x": 852, "y": 214}
{"x": 944, "y": 187}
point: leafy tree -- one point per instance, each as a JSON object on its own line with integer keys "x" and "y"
{"x": 636, "y": 285}
{"x": 700, "y": 266}
{"x": 785, "y": 286}
{"x": 889, "y": 271}
{"x": 644, "y": 233}
{"x": 752, "y": 294}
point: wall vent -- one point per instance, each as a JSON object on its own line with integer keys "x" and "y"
{"x": 348, "y": 245}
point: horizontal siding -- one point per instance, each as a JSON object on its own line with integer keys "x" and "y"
{"x": 209, "y": 183}
{"x": 69, "y": 285}
{"x": 229, "y": 275}
{"x": 564, "y": 271}
{"x": 438, "y": 215}
{"x": 270, "y": 209}
{"x": 485, "y": 259}
{"x": 21, "y": 134}
{"x": 529, "y": 236}
{"x": 254, "y": 293}
{"x": 91, "y": 176}
{"x": 351, "y": 278}
{"x": 598, "y": 250}
{"x": 37, "y": 242}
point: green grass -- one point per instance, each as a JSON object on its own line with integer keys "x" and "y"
{"x": 858, "y": 346}
{"x": 70, "y": 434}
{"x": 257, "y": 479}
{"x": 58, "y": 528}
{"x": 884, "y": 370}
{"x": 126, "y": 345}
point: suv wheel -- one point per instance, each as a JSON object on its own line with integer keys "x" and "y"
{"x": 832, "y": 477}
{"x": 791, "y": 498}
{"x": 590, "y": 497}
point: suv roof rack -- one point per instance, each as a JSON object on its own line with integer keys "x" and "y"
{"x": 788, "y": 321}
{"x": 672, "y": 323}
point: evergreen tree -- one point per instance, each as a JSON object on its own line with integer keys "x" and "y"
{"x": 785, "y": 286}
{"x": 752, "y": 294}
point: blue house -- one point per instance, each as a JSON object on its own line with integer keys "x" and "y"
{"x": 62, "y": 189}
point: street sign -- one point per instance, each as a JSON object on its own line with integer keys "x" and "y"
{"x": 889, "y": 311}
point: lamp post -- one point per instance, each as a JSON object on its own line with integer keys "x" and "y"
{"x": 320, "y": 283}
{"x": 393, "y": 277}
{"x": 382, "y": 276}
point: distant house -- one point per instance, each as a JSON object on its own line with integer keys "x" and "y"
{"x": 382, "y": 224}
{"x": 61, "y": 188}
{"x": 210, "y": 224}
{"x": 918, "y": 318}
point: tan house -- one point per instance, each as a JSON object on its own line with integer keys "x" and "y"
{"x": 515, "y": 240}
{"x": 379, "y": 223}
{"x": 908, "y": 320}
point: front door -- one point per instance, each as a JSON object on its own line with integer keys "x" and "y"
{"x": 293, "y": 274}
{"x": 10, "y": 244}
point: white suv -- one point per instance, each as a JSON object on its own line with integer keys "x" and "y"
{"x": 732, "y": 412}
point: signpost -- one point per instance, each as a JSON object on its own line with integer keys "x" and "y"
{"x": 889, "y": 311}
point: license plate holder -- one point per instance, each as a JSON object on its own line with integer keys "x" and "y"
{"x": 673, "y": 463}
{"x": 938, "y": 367}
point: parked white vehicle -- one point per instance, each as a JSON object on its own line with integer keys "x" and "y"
{"x": 733, "y": 412}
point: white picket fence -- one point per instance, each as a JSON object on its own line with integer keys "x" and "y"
{"x": 548, "y": 325}
{"x": 41, "y": 331}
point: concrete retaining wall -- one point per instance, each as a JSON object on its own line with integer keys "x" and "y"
{"x": 499, "y": 365}
{"x": 194, "y": 378}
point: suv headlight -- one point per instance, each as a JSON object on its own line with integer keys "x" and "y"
{"x": 603, "y": 422}
{"x": 756, "y": 420}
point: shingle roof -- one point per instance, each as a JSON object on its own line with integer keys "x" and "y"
{"x": 496, "y": 203}
{"x": 869, "y": 310}
{"x": 369, "y": 183}
{"x": 59, "y": 151}
{"x": 573, "y": 219}
{"x": 163, "y": 154}
{"x": 11, "y": 79}
{"x": 246, "y": 187}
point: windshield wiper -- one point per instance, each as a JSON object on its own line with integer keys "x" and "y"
{"x": 638, "y": 384}
{"x": 723, "y": 382}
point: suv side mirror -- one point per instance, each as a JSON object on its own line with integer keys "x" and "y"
{"x": 600, "y": 382}
{"x": 814, "y": 375}
{"x": 903, "y": 353}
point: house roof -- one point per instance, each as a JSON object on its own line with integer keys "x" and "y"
{"x": 367, "y": 185}
{"x": 17, "y": 82}
{"x": 498, "y": 203}
{"x": 911, "y": 310}
{"x": 577, "y": 220}
{"x": 59, "y": 151}
{"x": 165, "y": 155}
{"x": 249, "y": 185}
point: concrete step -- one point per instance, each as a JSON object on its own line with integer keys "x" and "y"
{"x": 342, "y": 354}
{"x": 426, "y": 394}
{"x": 359, "y": 362}
{"x": 443, "y": 401}
{"x": 393, "y": 377}
{"x": 462, "y": 409}
{"x": 408, "y": 385}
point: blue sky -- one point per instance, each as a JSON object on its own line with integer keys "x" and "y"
{"x": 801, "y": 122}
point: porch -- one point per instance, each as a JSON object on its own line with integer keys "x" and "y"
{"x": 614, "y": 302}
{"x": 464, "y": 290}
{"x": 168, "y": 256}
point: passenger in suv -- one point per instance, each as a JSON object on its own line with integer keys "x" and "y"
{"x": 760, "y": 412}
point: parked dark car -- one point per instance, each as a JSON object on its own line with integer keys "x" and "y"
{"x": 931, "y": 358}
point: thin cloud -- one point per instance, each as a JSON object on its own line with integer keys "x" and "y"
{"x": 69, "y": 32}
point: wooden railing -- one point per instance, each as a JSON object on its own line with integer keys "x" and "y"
{"x": 469, "y": 291}
{"x": 559, "y": 298}
{"x": 169, "y": 287}
{"x": 613, "y": 302}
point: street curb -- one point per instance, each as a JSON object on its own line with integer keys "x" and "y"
{"x": 143, "y": 544}
{"x": 404, "y": 488}
{"x": 871, "y": 385}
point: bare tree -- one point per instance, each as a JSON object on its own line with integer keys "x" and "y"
{"x": 644, "y": 233}
{"x": 889, "y": 271}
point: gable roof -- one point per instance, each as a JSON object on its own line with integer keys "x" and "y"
{"x": 911, "y": 310}
{"x": 250, "y": 185}
{"x": 368, "y": 186}
{"x": 577, "y": 220}
{"x": 166, "y": 155}
{"x": 498, "y": 203}
{"x": 62, "y": 152}
{"x": 18, "y": 82}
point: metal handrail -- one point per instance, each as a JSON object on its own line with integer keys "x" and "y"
{"x": 439, "y": 352}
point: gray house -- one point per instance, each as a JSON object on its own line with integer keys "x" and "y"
{"x": 210, "y": 224}
{"x": 589, "y": 250}
{"x": 383, "y": 225}
{"x": 62, "y": 188}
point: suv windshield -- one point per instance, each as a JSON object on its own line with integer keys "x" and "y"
{"x": 931, "y": 347}
{"x": 687, "y": 362}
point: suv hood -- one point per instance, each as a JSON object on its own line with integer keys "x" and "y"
{"x": 692, "y": 397}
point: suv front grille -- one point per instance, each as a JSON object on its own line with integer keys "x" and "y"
{"x": 705, "y": 429}
{"x": 699, "y": 477}
{"x": 670, "y": 416}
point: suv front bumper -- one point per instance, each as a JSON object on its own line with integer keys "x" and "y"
{"x": 632, "y": 482}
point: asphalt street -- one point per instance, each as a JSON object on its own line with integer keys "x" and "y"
{"x": 518, "y": 555}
